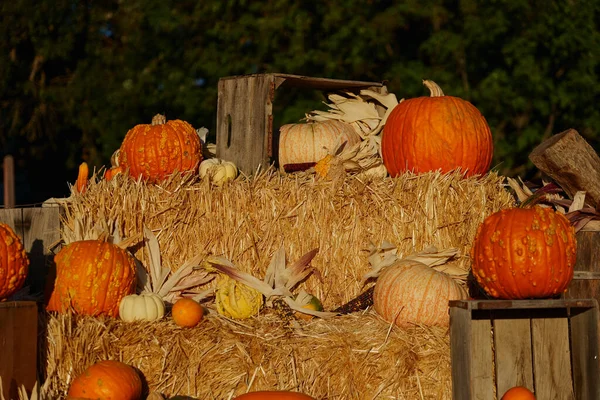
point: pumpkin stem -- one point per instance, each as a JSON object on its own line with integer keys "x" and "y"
{"x": 434, "y": 89}
{"x": 159, "y": 119}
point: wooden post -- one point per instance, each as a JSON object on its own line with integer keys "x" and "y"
{"x": 9, "y": 182}
{"x": 18, "y": 346}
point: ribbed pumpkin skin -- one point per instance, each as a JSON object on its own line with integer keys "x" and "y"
{"x": 522, "y": 253}
{"x": 156, "y": 151}
{"x": 310, "y": 142}
{"x": 273, "y": 395}
{"x": 410, "y": 292}
{"x": 14, "y": 263}
{"x": 106, "y": 380}
{"x": 436, "y": 133}
{"x": 92, "y": 276}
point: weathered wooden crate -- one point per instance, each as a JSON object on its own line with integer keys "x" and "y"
{"x": 549, "y": 346}
{"x": 245, "y": 114}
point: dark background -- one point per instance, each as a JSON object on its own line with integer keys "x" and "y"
{"x": 76, "y": 75}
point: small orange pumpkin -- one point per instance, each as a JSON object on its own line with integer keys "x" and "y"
{"x": 112, "y": 172}
{"x": 518, "y": 393}
{"x": 436, "y": 133}
{"x": 155, "y": 151}
{"x": 273, "y": 395}
{"x": 107, "y": 380}
{"x": 14, "y": 263}
{"x": 187, "y": 313}
{"x": 92, "y": 276}
{"x": 524, "y": 253}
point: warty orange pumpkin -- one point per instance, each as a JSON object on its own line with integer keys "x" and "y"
{"x": 92, "y": 276}
{"x": 436, "y": 133}
{"x": 107, "y": 380}
{"x": 524, "y": 253}
{"x": 155, "y": 151}
{"x": 14, "y": 262}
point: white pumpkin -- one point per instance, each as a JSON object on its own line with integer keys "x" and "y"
{"x": 142, "y": 307}
{"x": 219, "y": 171}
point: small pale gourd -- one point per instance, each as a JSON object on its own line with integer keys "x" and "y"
{"x": 142, "y": 307}
{"x": 219, "y": 171}
{"x": 410, "y": 292}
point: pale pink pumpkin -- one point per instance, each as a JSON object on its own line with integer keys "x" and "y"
{"x": 310, "y": 142}
{"x": 411, "y": 292}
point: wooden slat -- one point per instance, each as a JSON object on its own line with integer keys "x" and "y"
{"x": 522, "y": 304}
{"x": 18, "y": 346}
{"x": 460, "y": 353}
{"x": 552, "y": 362}
{"x": 9, "y": 181}
{"x": 482, "y": 354}
{"x": 514, "y": 364}
{"x": 584, "y": 354}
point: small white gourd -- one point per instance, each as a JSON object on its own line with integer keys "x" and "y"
{"x": 218, "y": 171}
{"x": 142, "y": 307}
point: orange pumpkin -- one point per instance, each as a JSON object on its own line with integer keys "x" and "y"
{"x": 310, "y": 142}
{"x": 112, "y": 172}
{"x": 155, "y": 151}
{"x": 436, "y": 133}
{"x": 187, "y": 312}
{"x": 106, "y": 380}
{"x": 273, "y": 395}
{"x": 14, "y": 263}
{"x": 82, "y": 177}
{"x": 518, "y": 393}
{"x": 410, "y": 292}
{"x": 524, "y": 253}
{"x": 92, "y": 276}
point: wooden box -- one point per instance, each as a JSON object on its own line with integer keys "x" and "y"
{"x": 245, "y": 114}
{"x": 548, "y": 346}
{"x": 18, "y": 346}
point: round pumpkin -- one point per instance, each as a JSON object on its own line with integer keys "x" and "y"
{"x": 155, "y": 151}
{"x": 310, "y": 142}
{"x": 524, "y": 253}
{"x": 92, "y": 276}
{"x": 14, "y": 262}
{"x": 436, "y": 133}
{"x": 107, "y": 380}
{"x": 187, "y": 313}
{"x": 273, "y": 395}
{"x": 218, "y": 171}
{"x": 518, "y": 393}
{"x": 143, "y": 307}
{"x": 410, "y": 292}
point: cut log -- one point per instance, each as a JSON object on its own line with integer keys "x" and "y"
{"x": 572, "y": 163}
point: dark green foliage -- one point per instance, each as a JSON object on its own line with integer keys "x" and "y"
{"x": 76, "y": 75}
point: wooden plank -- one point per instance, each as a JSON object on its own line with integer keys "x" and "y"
{"x": 551, "y": 355}
{"x": 290, "y": 80}
{"x": 9, "y": 181}
{"x": 482, "y": 354}
{"x": 584, "y": 353}
{"x": 18, "y": 346}
{"x": 460, "y": 353}
{"x": 512, "y": 343}
{"x": 522, "y": 304}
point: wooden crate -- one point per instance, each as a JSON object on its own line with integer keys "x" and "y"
{"x": 245, "y": 114}
{"x": 549, "y": 346}
{"x": 18, "y": 346}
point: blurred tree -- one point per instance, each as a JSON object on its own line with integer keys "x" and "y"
{"x": 76, "y": 75}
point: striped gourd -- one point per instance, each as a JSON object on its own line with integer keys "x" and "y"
{"x": 410, "y": 292}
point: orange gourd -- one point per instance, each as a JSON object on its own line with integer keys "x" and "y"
{"x": 436, "y": 133}
{"x": 273, "y": 395}
{"x": 112, "y": 172}
{"x": 14, "y": 263}
{"x": 518, "y": 393}
{"x": 187, "y": 313}
{"x": 82, "y": 177}
{"x": 92, "y": 276}
{"x": 524, "y": 253}
{"x": 106, "y": 380}
{"x": 410, "y": 292}
{"x": 155, "y": 151}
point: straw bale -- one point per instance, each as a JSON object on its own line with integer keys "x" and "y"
{"x": 356, "y": 356}
{"x": 247, "y": 220}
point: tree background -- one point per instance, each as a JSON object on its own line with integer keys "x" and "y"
{"x": 75, "y": 76}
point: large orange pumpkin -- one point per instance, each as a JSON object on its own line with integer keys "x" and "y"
{"x": 273, "y": 395}
{"x": 310, "y": 142}
{"x": 410, "y": 292}
{"x": 107, "y": 380}
{"x": 14, "y": 263}
{"x": 156, "y": 151}
{"x": 436, "y": 133}
{"x": 524, "y": 253}
{"x": 92, "y": 276}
